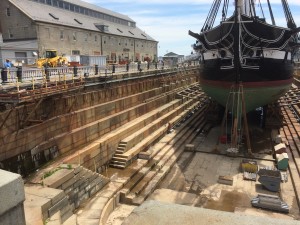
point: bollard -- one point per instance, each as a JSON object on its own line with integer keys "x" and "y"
{"x": 75, "y": 71}
{"x": 32, "y": 83}
{"x": 19, "y": 73}
{"x": 96, "y": 69}
{"x": 127, "y": 67}
{"x": 113, "y": 68}
{"x": 155, "y": 65}
{"x": 4, "y": 75}
{"x": 139, "y": 67}
{"x": 148, "y": 65}
{"x": 47, "y": 73}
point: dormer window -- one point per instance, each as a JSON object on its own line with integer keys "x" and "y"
{"x": 101, "y": 27}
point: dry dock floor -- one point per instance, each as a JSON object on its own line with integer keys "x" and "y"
{"x": 193, "y": 181}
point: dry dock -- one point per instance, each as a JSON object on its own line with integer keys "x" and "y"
{"x": 94, "y": 150}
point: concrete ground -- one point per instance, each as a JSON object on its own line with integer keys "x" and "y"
{"x": 194, "y": 182}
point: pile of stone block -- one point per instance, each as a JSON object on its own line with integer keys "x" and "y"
{"x": 44, "y": 202}
{"x": 78, "y": 183}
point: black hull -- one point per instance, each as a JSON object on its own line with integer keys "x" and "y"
{"x": 266, "y": 70}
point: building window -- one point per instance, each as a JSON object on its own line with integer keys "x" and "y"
{"x": 8, "y": 11}
{"x": 74, "y": 36}
{"x": 96, "y": 38}
{"x": 49, "y": 2}
{"x": 47, "y": 32}
{"x": 75, "y": 52}
{"x": 55, "y": 3}
{"x": 61, "y": 35}
{"x": 67, "y": 6}
{"x": 72, "y": 7}
{"x": 86, "y": 37}
{"x": 60, "y": 4}
{"x": 10, "y": 35}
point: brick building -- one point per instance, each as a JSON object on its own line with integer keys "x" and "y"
{"x": 72, "y": 27}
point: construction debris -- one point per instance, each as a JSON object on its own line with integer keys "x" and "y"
{"x": 249, "y": 169}
{"x": 270, "y": 202}
{"x": 270, "y": 179}
{"x": 225, "y": 180}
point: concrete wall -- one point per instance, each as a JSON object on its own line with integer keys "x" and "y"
{"x": 12, "y": 196}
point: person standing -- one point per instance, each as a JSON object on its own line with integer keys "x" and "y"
{"x": 7, "y": 64}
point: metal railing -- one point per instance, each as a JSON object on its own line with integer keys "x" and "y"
{"x": 28, "y": 74}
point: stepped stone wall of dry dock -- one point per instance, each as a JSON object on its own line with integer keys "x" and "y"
{"x": 65, "y": 123}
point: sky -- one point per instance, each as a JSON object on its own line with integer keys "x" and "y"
{"x": 168, "y": 21}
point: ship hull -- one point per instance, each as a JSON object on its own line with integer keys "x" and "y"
{"x": 256, "y": 94}
{"x": 263, "y": 85}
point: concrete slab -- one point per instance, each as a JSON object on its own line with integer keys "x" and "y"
{"x": 71, "y": 221}
{"x": 153, "y": 213}
{"x": 170, "y": 196}
{"x": 90, "y": 214}
{"x": 85, "y": 221}
{"x": 54, "y": 195}
{"x": 96, "y": 203}
{"x": 36, "y": 209}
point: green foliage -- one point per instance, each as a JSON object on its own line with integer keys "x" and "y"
{"x": 49, "y": 173}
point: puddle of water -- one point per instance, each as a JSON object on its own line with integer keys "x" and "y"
{"x": 229, "y": 201}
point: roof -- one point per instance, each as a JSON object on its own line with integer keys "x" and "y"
{"x": 171, "y": 54}
{"x": 41, "y": 13}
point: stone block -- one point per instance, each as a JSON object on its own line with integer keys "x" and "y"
{"x": 55, "y": 219}
{"x": 36, "y": 207}
{"x": 83, "y": 197}
{"x": 52, "y": 194}
{"x": 66, "y": 215}
{"x": 58, "y": 206}
{"x": 11, "y": 191}
{"x": 58, "y": 178}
